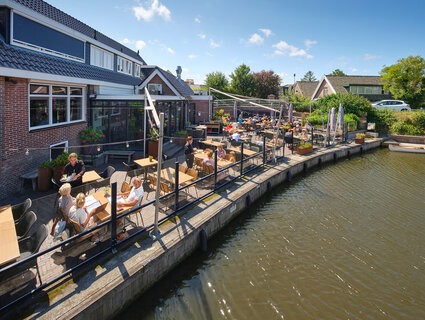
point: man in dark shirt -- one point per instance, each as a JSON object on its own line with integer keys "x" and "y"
{"x": 76, "y": 168}
{"x": 189, "y": 152}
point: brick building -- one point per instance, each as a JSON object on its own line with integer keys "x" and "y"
{"x": 59, "y": 75}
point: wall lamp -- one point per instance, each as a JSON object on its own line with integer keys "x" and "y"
{"x": 7, "y": 79}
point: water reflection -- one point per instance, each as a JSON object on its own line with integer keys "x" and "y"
{"x": 345, "y": 241}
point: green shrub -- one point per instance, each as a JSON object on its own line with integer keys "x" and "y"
{"x": 383, "y": 119}
{"x": 318, "y": 118}
{"x": 419, "y": 119}
{"x": 402, "y": 127}
{"x": 357, "y": 105}
{"x": 302, "y": 107}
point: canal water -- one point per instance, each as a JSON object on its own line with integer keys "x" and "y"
{"x": 343, "y": 242}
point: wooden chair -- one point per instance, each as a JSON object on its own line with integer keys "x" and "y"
{"x": 182, "y": 168}
{"x": 194, "y": 174}
{"x": 77, "y": 230}
{"x": 208, "y": 150}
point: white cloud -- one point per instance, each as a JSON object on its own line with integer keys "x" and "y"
{"x": 282, "y": 75}
{"x": 368, "y": 56}
{"x": 197, "y": 20}
{"x": 140, "y": 44}
{"x": 309, "y": 43}
{"x": 256, "y": 39}
{"x": 283, "y": 48}
{"x": 149, "y": 12}
{"x": 185, "y": 69}
{"x": 353, "y": 70}
{"x": 214, "y": 44}
{"x": 125, "y": 41}
{"x": 267, "y": 32}
{"x": 202, "y": 36}
{"x": 170, "y": 50}
{"x": 192, "y": 56}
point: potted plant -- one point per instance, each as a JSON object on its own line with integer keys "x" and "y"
{"x": 59, "y": 164}
{"x": 304, "y": 148}
{"x": 44, "y": 176}
{"x": 153, "y": 144}
{"x": 89, "y": 137}
{"x": 359, "y": 138}
{"x": 150, "y": 158}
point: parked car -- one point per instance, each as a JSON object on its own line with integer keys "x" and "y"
{"x": 394, "y": 105}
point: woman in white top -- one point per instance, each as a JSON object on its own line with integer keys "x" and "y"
{"x": 79, "y": 214}
{"x": 66, "y": 201}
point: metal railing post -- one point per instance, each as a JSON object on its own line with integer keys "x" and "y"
{"x": 242, "y": 158}
{"x": 176, "y": 186}
{"x": 113, "y": 216}
{"x": 215, "y": 168}
{"x": 312, "y": 136}
{"x": 264, "y": 149}
{"x": 292, "y": 141}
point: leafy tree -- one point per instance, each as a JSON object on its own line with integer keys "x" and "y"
{"x": 309, "y": 76}
{"x": 217, "y": 80}
{"x": 337, "y": 72}
{"x": 243, "y": 81}
{"x": 267, "y": 83}
{"x": 355, "y": 104}
{"x": 406, "y": 80}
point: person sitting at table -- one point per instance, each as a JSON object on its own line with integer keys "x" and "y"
{"x": 236, "y": 136}
{"x": 307, "y": 124}
{"x": 189, "y": 152}
{"x": 303, "y": 135}
{"x": 209, "y": 161}
{"x": 232, "y": 156}
{"x": 240, "y": 120}
{"x": 133, "y": 196}
{"x": 66, "y": 201}
{"x": 76, "y": 169}
{"x": 221, "y": 153}
{"x": 288, "y": 137}
{"x": 79, "y": 214}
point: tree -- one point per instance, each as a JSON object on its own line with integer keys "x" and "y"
{"x": 406, "y": 80}
{"x": 243, "y": 81}
{"x": 217, "y": 80}
{"x": 267, "y": 83}
{"x": 309, "y": 76}
{"x": 337, "y": 72}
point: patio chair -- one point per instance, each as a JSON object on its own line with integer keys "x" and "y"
{"x": 19, "y": 210}
{"x": 106, "y": 178}
{"x": 56, "y": 184}
{"x": 130, "y": 170}
{"x": 77, "y": 230}
{"x": 125, "y": 187}
{"x": 235, "y": 143}
{"x": 25, "y": 224}
{"x": 194, "y": 174}
{"x": 182, "y": 168}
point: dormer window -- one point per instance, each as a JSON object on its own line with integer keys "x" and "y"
{"x": 124, "y": 66}
{"x": 155, "y": 88}
{"x": 101, "y": 58}
{"x": 137, "y": 70}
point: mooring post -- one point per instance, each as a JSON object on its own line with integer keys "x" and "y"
{"x": 264, "y": 149}
{"x": 176, "y": 186}
{"x": 292, "y": 140}
{"x": 215, "y": 168}
{"x": 113, "y": 216}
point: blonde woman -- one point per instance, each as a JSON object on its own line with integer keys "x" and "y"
{"x": 66, "y": 201}
{"x": 79, "y": 214}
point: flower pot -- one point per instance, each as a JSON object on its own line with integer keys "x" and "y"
{"x": 58, "y": 172}
{"x": 153, "y": 148}
{"x": 359, "y": 141}
{"x": 91, "y": 149}
{"x": 43, "y": 179}
{"x": 302, "y": 151}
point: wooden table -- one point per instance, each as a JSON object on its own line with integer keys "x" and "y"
{"x": 212, "y": 143}
{"x": 119, "y": 153}
{"x": 106, "y": 214}
{"x": 168, "y": 175}
{"x": 246, "y": 152}
{"x": 8, "y": 239}
{"x": 90, "y": 176}
{"x": 145, "y": 164}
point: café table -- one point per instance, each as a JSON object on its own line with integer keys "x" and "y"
{"x": 220, "y": 162}
{"x": 212, "y": 143}
{"x": 246, "y": 152}
{"x": 145, "y": 164}
{"x": 90, "y": 176}
{"x": 167, "y": 174}
{"x": 102, "y": 197}
{"x": 9, "y": 247}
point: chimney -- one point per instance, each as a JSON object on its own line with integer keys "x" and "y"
{"x": 179, "y": 72}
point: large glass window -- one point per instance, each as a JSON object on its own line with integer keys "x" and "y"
{"x": 52, "y": 105}
{"x": 101, "y": 58}
{"x": 124, "y": 66}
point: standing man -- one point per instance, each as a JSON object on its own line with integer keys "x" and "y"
{"x": 189, "y": 152}
{"x": 76, "y": 169}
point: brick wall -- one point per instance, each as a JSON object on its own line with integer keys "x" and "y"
{"x": 166, "y": 91}
{"x": 17, "y": 137}
{"x": 202, "y": 106}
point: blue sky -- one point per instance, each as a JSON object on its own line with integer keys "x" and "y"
{"x": 288, "y": 37}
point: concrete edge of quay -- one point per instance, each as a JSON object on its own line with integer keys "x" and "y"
{"x": 102, "y": 291}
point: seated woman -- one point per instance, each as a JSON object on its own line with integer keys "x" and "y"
{"x": 232, "y": 157}
{"x": 133, "y": 196}
{"x": 66, "y": 201}
{"x": 288, "y": 137}
{"x": 79, "y": 214}
{"x": 209, "y": 161}
{"x": 76, "y": 169}
{"x": 221, "y": 153}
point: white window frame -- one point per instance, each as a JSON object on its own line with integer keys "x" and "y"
{"x": 58, "y": 144}
{"x": 50, "y": 96}
{"x": 124, "y": 67}
{"x": 105, "y": 54}
{"x": 137, "y": 70}
{"x": 158, "y": 85}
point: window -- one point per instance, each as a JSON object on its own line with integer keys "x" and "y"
{"x": 101, "y": 58}
{"x": 51, "y": 105}
{"x": 366, "y": 89}
{"x": 124, "y": 66}
{"x": 57, "y": 149}
{"x": 137, "y": 70}
{"x": 325, "y": 91}
{"x": 155, "y": 88}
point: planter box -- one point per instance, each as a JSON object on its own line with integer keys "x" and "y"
{"x": 359, "y": 141}
{"x": 58, "y": 172}
{"x": 43, "y": 179}
{"x": 91, "y": 150}
{"x": 302, "y": 151}
{"x": 153, "y": 148}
